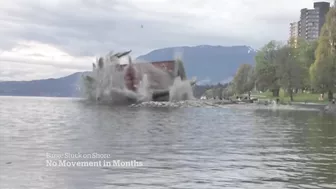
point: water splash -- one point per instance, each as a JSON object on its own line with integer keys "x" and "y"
{"x": 181, "y": 90}
{"x": 143, "y": 89}
{"x": 106, "y": 83}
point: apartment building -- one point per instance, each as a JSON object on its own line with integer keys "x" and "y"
{"x": 294, "y": 33}
{"x": 311, "y": 22}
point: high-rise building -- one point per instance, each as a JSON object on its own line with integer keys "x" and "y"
{"x": 294, "y": 33}
{"x": 302, "y": 23}
{"x": 322, "y": 8}
{"x": 294, "y": 29}
{"x": 312, "y": 20}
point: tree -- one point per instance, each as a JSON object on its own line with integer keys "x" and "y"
{"x": 305, "y": 55}
{"x": 283, "y": 66}
{"x": 209, "y": 93}
{"x": 323, "y": 71}
{"x": 289, "y": 70}
{"x": 266, "y": 77}
{"x": 244, "y": 79}
{"x": 251, "y": 81}
{"x": 228, "y": 91}
{"x": 323, "y": 75}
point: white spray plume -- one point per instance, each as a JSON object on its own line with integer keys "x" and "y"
{"x": 106, "y": 82}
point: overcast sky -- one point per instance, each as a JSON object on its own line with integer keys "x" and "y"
{"x": 53, "y": 38}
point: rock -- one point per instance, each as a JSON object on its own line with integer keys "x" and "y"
{"x": 330, "y": 108}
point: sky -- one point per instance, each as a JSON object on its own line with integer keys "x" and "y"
{"x": 54, "y": 38}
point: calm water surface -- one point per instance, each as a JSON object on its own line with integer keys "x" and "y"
{"x": 179, "y": 148}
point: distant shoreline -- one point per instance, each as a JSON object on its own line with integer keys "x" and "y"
{"x": 31, "y": 96}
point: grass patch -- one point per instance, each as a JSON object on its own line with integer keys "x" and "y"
{"x": 299, "y": 97}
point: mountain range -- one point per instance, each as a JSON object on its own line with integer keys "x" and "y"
{"x": 61, "y": 87}
{"x": 209, "y": 64}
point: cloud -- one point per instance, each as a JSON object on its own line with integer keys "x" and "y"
{"x": 82, "y": 29}
{"x": 23, "y": 62}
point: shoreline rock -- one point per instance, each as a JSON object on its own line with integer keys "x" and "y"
{"x": 330, "y": 108}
